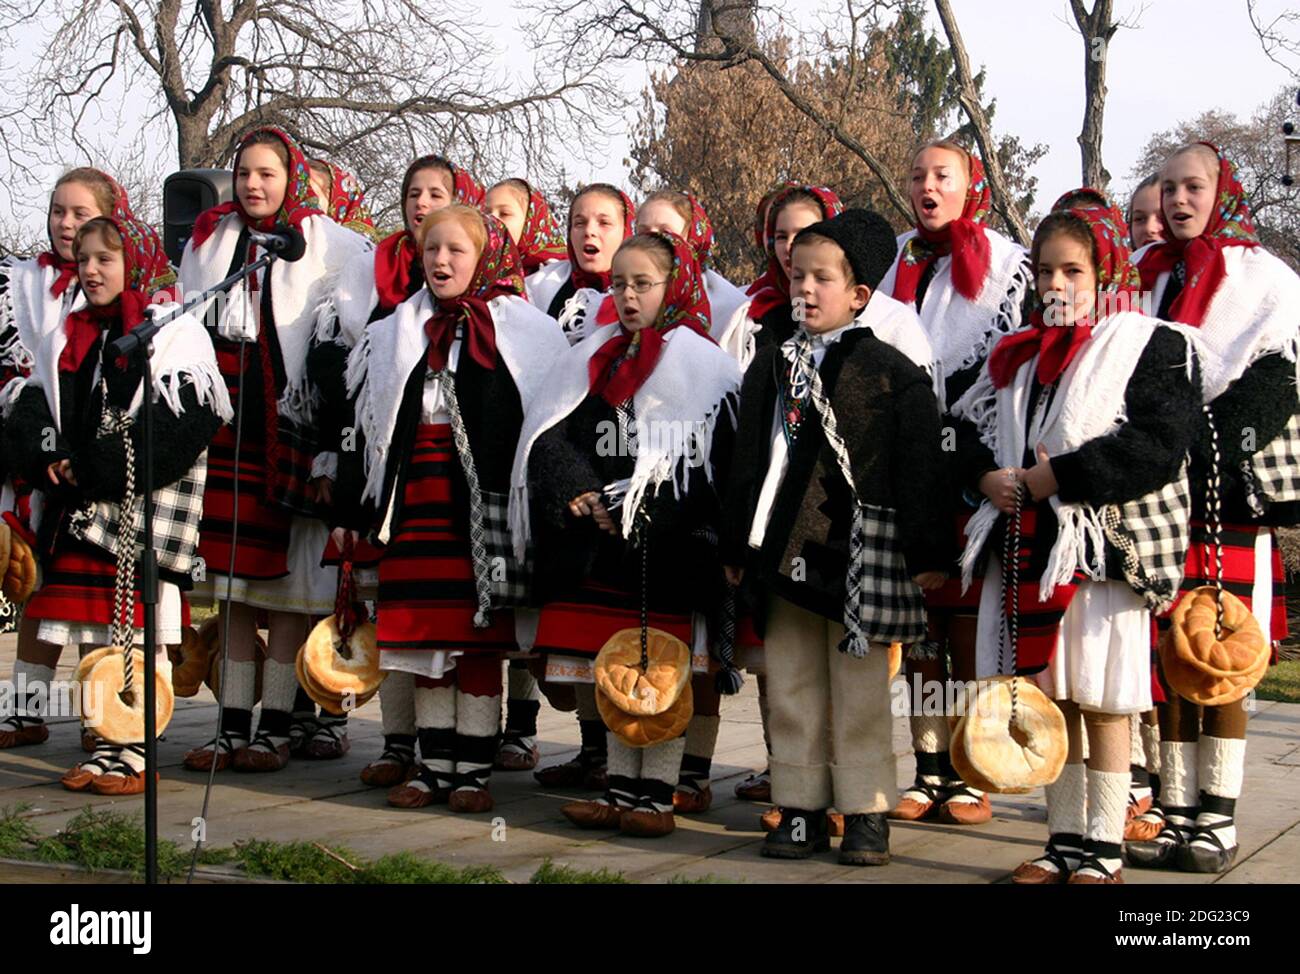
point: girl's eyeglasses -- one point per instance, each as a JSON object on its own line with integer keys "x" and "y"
{"x": 640, "y": 287}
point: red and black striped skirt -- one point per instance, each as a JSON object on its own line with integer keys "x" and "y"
{"x": 1238, "y": 569}
{"x": 77, "y": 586}
{"x": 580, "y": 627}
{"x": 427, "y": 598}
{"x": 262, "y": 545}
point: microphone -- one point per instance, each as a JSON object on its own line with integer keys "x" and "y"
{"x": 287, "y": 243}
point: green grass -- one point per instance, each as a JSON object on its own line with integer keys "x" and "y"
{"x": 1281, "y": 682}
{"x": 550, "y": 873}
{"x": 97, "y": 839}
{"x": 708, "y": 879}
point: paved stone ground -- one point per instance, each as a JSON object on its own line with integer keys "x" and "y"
{"x": 326, "y": 802}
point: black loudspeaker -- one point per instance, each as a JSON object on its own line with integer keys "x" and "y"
{"x": 186, "y": 194}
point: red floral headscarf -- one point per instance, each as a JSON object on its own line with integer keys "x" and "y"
{"x": 1230, "y": 225}
{"x": 543, "y": 238}
{"x": 499, "y": 272}
{"x": 623, "y": 363}
{"x": 147, "y": 270}
{"x": 1118, "y": 288}
{"x": 299, "y": 201}
{"x": 964, "y": 238}
{"x": 760, "y": 215}
{"x": 699, "y": 231}
{"x": 66, "y": 270}
{"x": 347, "y": 200}
{"x": 581, "y": 278}
{"x": 397, "y": 273}
{"x": 772, "y": 289}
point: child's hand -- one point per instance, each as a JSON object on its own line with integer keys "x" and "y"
{"x": 735, "y": 574}
{"x": 61, "y": 470}
{"x": 603, "y": 519}
{"x": 591, "y": 504}
{"x": 929, "y": 581}
{"x": 1040, "y": 479}
{"x": 1001, "y": 488}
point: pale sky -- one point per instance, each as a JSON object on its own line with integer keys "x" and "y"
{"x": 1184, "y": 57}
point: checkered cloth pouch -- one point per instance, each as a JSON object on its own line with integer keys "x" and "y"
{"x": 1152, "y": 534}
{"x": 1272, "y": 476}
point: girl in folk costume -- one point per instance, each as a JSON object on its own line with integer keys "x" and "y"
{"x": 1239, "y": 300}
{"x": 85, "y": 474}
{"x": 1145, "y": 818}
{"x": 533, "y": 227}
{"x": 1078, "y": 432}
{"x": 573, "y": 291}
{"x": 36, "y": 295}
{"x": 614, "y": 483}
{"x": 966, "y": 282}
{"x": 681, "y": 213}
{"x": 441, "y": 386}
{"x": 340, "y": 197}
{"x": 370, "y": 287}
{"x": 261, "y": 537}
{"x": 794, "y": 208}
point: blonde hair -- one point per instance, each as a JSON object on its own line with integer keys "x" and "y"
{"x": 517, "y": 186}
{"x": 1203, "y": 152}
{"x": 99, "y": 185}
{"x": 470, "y": 219}
{"x": 679, "y": 201}
{"x": 950, "y": 146}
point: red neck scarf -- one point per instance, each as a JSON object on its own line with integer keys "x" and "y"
{"x": 772, "y": 289}
{"x": 1230, "y": 226}
{"x": 146, "y": 270}
{"x": 598, "y": 281}
{"x": 1055, "y": 345}
{"x": 499, "y": 271}
{"x": 543, "y": 237}
{"x": 347, "y": 201}
{"x": 66, "y": 270}
{"x": 963, "y": 238}
{"x": 396, "y": 275}
{"x": 299, "y": 201}
{"x": 625, "y": 361}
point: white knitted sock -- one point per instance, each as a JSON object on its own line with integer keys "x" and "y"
{"x": 1137, "y": 753}
{"x": 434, "y": 709}
{"x": 397, "y": 703}
{"x": 240, "y": 686}
{"x": 1107, "y": 801}
{"x": 279, "y": 685}
{"x": 477, "y": 721}
{"x": 1221, "y": 769}
{"x": 1151, "y": 746}
{"x": 1178, "y": 777}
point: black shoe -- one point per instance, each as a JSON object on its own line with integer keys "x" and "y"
{"x": 801, "y": 834}
{"x": 866, "y": 840}
{"x": 1194, "y": 857}
{"x": 1164, "y": 851}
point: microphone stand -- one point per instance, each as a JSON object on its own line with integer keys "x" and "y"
{"x": 138, "y": 342}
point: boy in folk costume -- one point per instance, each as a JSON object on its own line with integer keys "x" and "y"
{"x": 782, "y": 213}
{"x": 77, "y": 390}
{"x": 36, "y": 295}
{"x": 266, "y": 554}
{"x": 835, "y": 517}
{"x": 966, "y": 282}
{"x": 541, "y": 240}
{"x": 615, "y": 485}
{"x": 370, "y": 287}
{"x": 1239, "y": 302}
{"x": 1076, "y": 433}
{"x": 440, "y": 390}
{"x": 574, "y": 291}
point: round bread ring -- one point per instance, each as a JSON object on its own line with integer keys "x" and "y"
{"x": 895, "y": 659}
{"x": 643, "y": 731}
{"x": 332, "y": 702}
{"x": 1194, "y": 643}
{"x": 1200, "y": 688}
{"x": 20, "y": 573}
{"x": 991, "y": 751}
{"x": 117, "y": 722}
{"x": 189, "y": 663}
{"x": 331, "y": 670}
{"x": 619, "y": 675}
